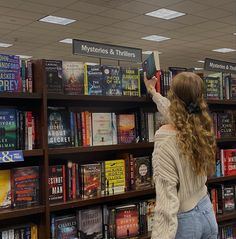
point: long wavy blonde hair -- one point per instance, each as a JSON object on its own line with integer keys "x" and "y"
{"x": 195, "y": 135}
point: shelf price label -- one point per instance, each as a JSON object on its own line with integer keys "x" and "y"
{"x": 11, "y": 156}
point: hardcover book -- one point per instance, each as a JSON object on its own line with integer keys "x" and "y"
{"x": 126, "y": 128}
{"x": 73, "y": 76}
{"x": 102, "y": 132}
{"x": 54, "y": 80}
{"x": 8, "y": 127}
{"x": 233, "y": 87}
{"x": 25, "y": 186}
{"x": 130, "y": 81}
{"x": 142, "y": 173}
{"x": 94, "y": 82}
{"x": 59, "y": 128}
{"x": 56, "y": 183}
{"x": 127, "y": 221}
{"x": 5, "y": 189}
{"x": 225, "y": 124}
{"x": 151, "y": 203}
{"x": 213, "y": 87}
{"x": 65, "y": 227}
{"x": 90, "y": 223}
{"x": 10, "y": 80}
{"x": 151, "y": 65}
{"x": 229, "y": 203}
{"x": 114, "y": 176}
{"x": 228, "y": 162}
{"x": 112, "y": 81}
{"x": 91, "y": 181}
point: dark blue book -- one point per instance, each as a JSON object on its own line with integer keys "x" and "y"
{"x": 151, "y": 65}
{"x": 8, "y": 128}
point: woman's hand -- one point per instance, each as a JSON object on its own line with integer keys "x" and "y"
{"x": 150, "y": 84}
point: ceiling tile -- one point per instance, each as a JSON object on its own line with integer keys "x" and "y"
{"x": 211, "y": 25}
{"x": 87, "y": 7}
{"x": 212, "y": 13}
{"x": 14, "y": 20}
{"x": 127, "y": 25}
{"x": 37, "y": 7}
{"x": 12, "y": 3}
{"x": 55, "y": 3}
{"x": 117, "y": 14}
{"x": 160, "y": 3}
{"x": 189, "y": 20}
{"x": 100, "y": 20}
{"x": 73, "y": 14}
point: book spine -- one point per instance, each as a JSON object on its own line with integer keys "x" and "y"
{"x": 72, "y": 128}
{"x": 77, "y": 181}
{"x": 26, "y": 130}
{"x": 30, "y": 130}
{"x": 103, "y": 180}
{"x": 23, "y": 75}
{"x": 87, "y": 128}
{"x": 139, "y": 85}
{"x": 84, "y": 136}
{"x": 33, "y": 132}
{"x": 18, "y": 129}
{"x": 30, "y": 76}
{"x": 34, "y": 231}
{"x": 64, "y": 182}
{"x": 75, "y": 129}
{"x": 69, "y": 180}
{"x": 85, "y": 79}
{"x": 73, "y": 181}
{"x": 114, "y": 128}
{"x": 132, "y": 165}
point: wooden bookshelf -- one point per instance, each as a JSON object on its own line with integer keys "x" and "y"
{"x": 101, "y": 200}
{"x": 148, "y": 236}
{"x": 221, "y": 179}
{"x": 226, "y": 217}
{"x": 226, "y": 140}
{"x": 19, "y": 95}
{"x": 221, "y": 102}
{"x": 33, "y": 153}
{"x": 117, "y": 147}
{"x": 16, "y": 213}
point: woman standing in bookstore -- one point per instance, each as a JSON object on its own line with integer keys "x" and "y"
{"x": 183, "y": 156}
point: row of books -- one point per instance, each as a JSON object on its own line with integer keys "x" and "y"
{"x": 106, "y": 222}
{"x": 66, "y": 129}
{"x": 226, "y": 164}
{"x": 19, "y": 187}
{"x": 77, "y": 78}
{"x": 20, "y": 232}
{"x": 73, "y": 181}
{"x": 17, "y": 129}
{"x": 224, "y": 123}
{"x": 227, "y": 231}
{"x": 15, "y": 74}
{"x": 220, "y": 86}
{"x": 223, "y": 197}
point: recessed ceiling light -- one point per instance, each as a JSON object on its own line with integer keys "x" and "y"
{"x": 67, "y": 40}
{"x": 155, "y": 38}
{"x": 57, "y": 20}
{"x": 149, "y": 52}
{"x": 166, "y": 14}
{"x": 24, "y": 56}
{"x": 200, "y": 61}
{"x": 5, "y": 44}
{"x": 198, "y": 69}
{"x": 91, "y": 63}
{"x": 234, "y": 34}
{"x": 224, "y": 50}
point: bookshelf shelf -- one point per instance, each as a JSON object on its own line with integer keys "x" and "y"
{"x": 17, "y": 95}
{"x": 226, "y": 140}
{"x": 101, "y": 200}
{"x": 221, "y": 102}
{"x": 148, "y": 236}
{"x": 15, "y": 213}
{"x": 74, "y": 150}
{"x": 33, "y": 153}
{"x": 221, "y": 179}
{"x": 226, "y": 217}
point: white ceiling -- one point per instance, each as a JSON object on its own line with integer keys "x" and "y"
{"x": 209, "y": 24}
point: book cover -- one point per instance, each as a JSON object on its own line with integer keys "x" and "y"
{"x": 229, "y": 162}
{"x": 53, "y": 69}
{"x": 233, "y": 86}
{"x": 91, "y": 180}
{"x": 151, "y": 203}
{"x": 5, "y": 189}
{"x": 130, "y": 81}
{"x": 213, "y": 87}
{"x": 59, "y": 129}
{"x": 174, "y": 70}
{"x": 10, "y": 73}
{"x": 65, "y": 227}
{"x": 8, "y": 134}
{"x": 102, "y": 132}
{"x": 90, "y": 223}
{"x": 56, "y": 183}
{"x": 229, "y": 203}
{"x": 225, "y": 125}
{"x": 142, "y": 173}
{"x": 151, "y": 65}
{"x": 73, "y": 77}
{"x": 114, "y": 176}
{"x": 126, "y": 128}
{"x": 25, "y": 186}
{"x": 94, "y": 82}
{"x": 127, "y": 221}
{"x": 112, "y": 81}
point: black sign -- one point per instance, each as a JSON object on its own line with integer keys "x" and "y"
{"x": 101, "y": 50}
{"x": 221, "y": 66}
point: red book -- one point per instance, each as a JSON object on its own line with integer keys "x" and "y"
{"x": 229, "y": 161}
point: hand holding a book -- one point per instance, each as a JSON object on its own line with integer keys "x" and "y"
{"x": 150, "y": 84}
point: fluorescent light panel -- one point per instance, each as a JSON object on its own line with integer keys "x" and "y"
{"x": 24, "y": 56}
{"x": 57, "y": 20}
{"x": 155, "y": 38}
{"x": 198, "y": 69}
{"x": 235, "y": 33}
{"x": 224, "y": 50}
{"x": 166, "y": 14}
{"x": 5, "y": 44}
{"x": 200, "y": 61}
{"x": 67, "y": 40}
{"x": 149, "y": 52}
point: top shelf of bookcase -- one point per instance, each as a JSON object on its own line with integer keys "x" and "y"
{"x": 19, "y": 95}
{"x": 221, "y": 102}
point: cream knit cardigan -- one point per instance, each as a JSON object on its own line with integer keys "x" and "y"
{"x": 178, "y": 189}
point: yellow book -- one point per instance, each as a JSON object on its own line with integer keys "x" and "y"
{"x": 34, "y": 231}
{"x": 115, "y": 176}
{"x": 5, "y": 188}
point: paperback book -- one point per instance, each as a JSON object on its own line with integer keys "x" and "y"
{"x": 151, "y": 65}
{"x": 5, "y": 189}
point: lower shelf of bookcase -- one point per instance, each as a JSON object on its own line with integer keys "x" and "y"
{"x": 148, "y": 236}
{"x": 221, "y": 179}
{"x": 226, "y": 217}
{"x": 21, "y": 212}
{"x": 101, "y": 200}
